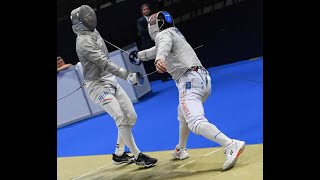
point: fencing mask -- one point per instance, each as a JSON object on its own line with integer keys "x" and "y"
{"x": 84, "y": 15}
{"x": 158, "y": 22}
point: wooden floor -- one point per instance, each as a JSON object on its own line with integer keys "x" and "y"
{"x": 204, "y": 163}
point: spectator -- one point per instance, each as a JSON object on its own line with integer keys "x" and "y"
{"x": 61, "y": 65}
{"x": 145, "y": 41}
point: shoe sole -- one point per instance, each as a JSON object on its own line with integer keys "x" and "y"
{"x": 145, "y": 165}
{"x": 181, "y": 158}
{"x": 177, "y": 157}
{"x": 235, "y": 159}
{"x": 123, "y": 162}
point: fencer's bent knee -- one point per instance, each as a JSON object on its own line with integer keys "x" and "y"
{"x": 192, "y": 127}
{"x": 132, "y": 116}
{"x": 194, "y": 122}
{"x": 128, "y": 119}
{"x": 119, "y": 118}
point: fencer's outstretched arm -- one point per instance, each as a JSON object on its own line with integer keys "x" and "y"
{"x": 147, "y": 54}
{"x": 94, "y": 54}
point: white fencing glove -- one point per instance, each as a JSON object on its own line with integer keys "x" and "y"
{"x": 135, "y": 79}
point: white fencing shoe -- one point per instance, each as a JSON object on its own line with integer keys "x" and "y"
{"x": 232, "y": 152}
{"x": 180, "y": 153}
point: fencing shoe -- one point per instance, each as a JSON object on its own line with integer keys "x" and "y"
{"x": 232, "y": 152}
{"x": 180, "y": 153}
{"x": 145, "y": 160}
{"x": 125, "y": 158}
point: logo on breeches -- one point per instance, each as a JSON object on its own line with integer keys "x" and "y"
{"x": 183, "y": 103}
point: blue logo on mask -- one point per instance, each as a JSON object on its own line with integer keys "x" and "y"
{"x": 167, "y": 16}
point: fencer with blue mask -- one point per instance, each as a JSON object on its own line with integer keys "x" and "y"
{"x": 173, "y": 54}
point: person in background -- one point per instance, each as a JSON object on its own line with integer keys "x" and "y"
{"x": 61, "y": 65}
{"x": 145, "y": 41}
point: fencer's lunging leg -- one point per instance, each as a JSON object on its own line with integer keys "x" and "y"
{"x": 211, "y": 132}
{"x": 192, "y": 92}
{"x": 199, "y": 124}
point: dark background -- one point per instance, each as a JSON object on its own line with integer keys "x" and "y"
{"x": 229, "y": 34}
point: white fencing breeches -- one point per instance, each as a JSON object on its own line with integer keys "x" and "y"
{"x": 114, "y": 100}
{"x": 194, "y": 89}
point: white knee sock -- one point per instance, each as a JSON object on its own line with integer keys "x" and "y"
{"x": 120, "y": 146}
{"x": 126, "y": 134}
{"x": 211, "y": 132}
{"x": 183, "y": 135}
